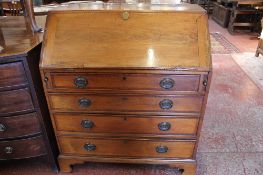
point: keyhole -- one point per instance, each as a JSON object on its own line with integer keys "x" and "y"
{"x": 124, "y": 78}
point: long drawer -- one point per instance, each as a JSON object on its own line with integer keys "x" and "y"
{"x": 135, "y": 103}
{"x": 18, "y": 126}
{"x": 12, "y": 74}
{"x": 127, "y": 147}
{"x": 126, "y": 124}
{"x": 157, "y": 82}
{"x": 22, "y": 148}
{"x": 15, "y": 101}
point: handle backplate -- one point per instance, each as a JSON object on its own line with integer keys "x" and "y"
{"x": 164, "y": 126}
{"x": 83, "y": 102}
{"x": 161, "y": 149}
{"x": 87, "y": 124}
{"x": 8, "y": 150}
{"x": 2, "y": 127}
{"x": 81, "y": 82}
{"x": 167, "y": 83}
{"x": 166, "y": 104}
{"x": 90, "y": 147}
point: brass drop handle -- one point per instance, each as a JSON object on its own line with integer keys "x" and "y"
{"x": 84, "y": 103}
{"x": 8, "y": 150}
{"x": 164, "y": 126}
{"x": 81, "y": 82}
{"x": 161, "y": 149}
{"x": 166, "y": 104}
{"x": 87, "y": 124}
{"x": 167, "y": 83}
{"x": 2, "y": 127}
{"x": 90, "y": 147}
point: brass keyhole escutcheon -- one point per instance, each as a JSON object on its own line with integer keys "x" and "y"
{"x": 125, "y": 15}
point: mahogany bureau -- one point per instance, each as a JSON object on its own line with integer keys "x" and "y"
{"x": 127, "y": 83}
{"x": 25, "y": 129}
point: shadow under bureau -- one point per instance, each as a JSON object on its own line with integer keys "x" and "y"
{"x": 127, "y": 84}
{"x": 25, "y": 126}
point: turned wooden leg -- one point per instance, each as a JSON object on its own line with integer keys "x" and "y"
{"x": 28, "y": 10}
{"x": 257, "y": 52}
{"x": 185, "y": 169}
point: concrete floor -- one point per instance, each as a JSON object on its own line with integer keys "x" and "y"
{"x": 231, "y": 140}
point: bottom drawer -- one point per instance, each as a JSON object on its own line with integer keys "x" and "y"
{"x": 127, "y": 147}
{"x": 23, "y": 148}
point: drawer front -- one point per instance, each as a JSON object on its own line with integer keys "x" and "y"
{"x": 125, "y": 124}
{"x": 127, "y": 148}
{"x": 15, "y": 101}
{"x": 18, "y": 126}
{"x": 12, "y": 74}
{"x": 126, "y": 82}
{"x": 22, "y": 148}
{"x": 112, "y": 103}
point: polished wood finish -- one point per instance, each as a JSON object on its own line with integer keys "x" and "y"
{"x": 12, "y": 74}
{"x": 124, "y": 103}
{"x": 127, "y": 147}
{"x": 25, "y": 129}
{"x": 131, "y": 88}
{"x": 126, "y": 124}
{"x": 16, "y": 101}
{"x": 23, "y": 148}
{"x": 14, "y": 29}
{"x": 146, "y": 49}
{"x": 185, "y": 83}
{"x": 20, "y": 126}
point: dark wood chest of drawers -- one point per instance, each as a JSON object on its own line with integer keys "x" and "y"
{"x": 25, "y": 129}
{"x": 130, "y": 86}
{"x": 24, "y": 115}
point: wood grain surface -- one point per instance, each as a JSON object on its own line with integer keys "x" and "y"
{"x": 120, "y": 124}
{"x": 109, "y": 74}
{"x": 20, "y": 126}
{"x": 127, "y": 147}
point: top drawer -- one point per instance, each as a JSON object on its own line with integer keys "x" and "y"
{"x": 155, "y": 82}
{"x": 12, "y": 74}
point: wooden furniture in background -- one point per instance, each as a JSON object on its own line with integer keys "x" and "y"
{"x": 244, "y": 15}
{"x": 25, "y": 126}
{"x": 21, "y": 7}
{"x": 15, "y": 8}
{"x": 221, "y": 14}
{"x": 208, "y": 5}
{"x": 11, "y": 7}
{"x": 129, "y": 89}
{"x": 260, "y": 42}
{"x": 29, "y": 15}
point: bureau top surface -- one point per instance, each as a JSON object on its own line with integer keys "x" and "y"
{"x": 15, "y": 36}
{"x": 135, "y": 36}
